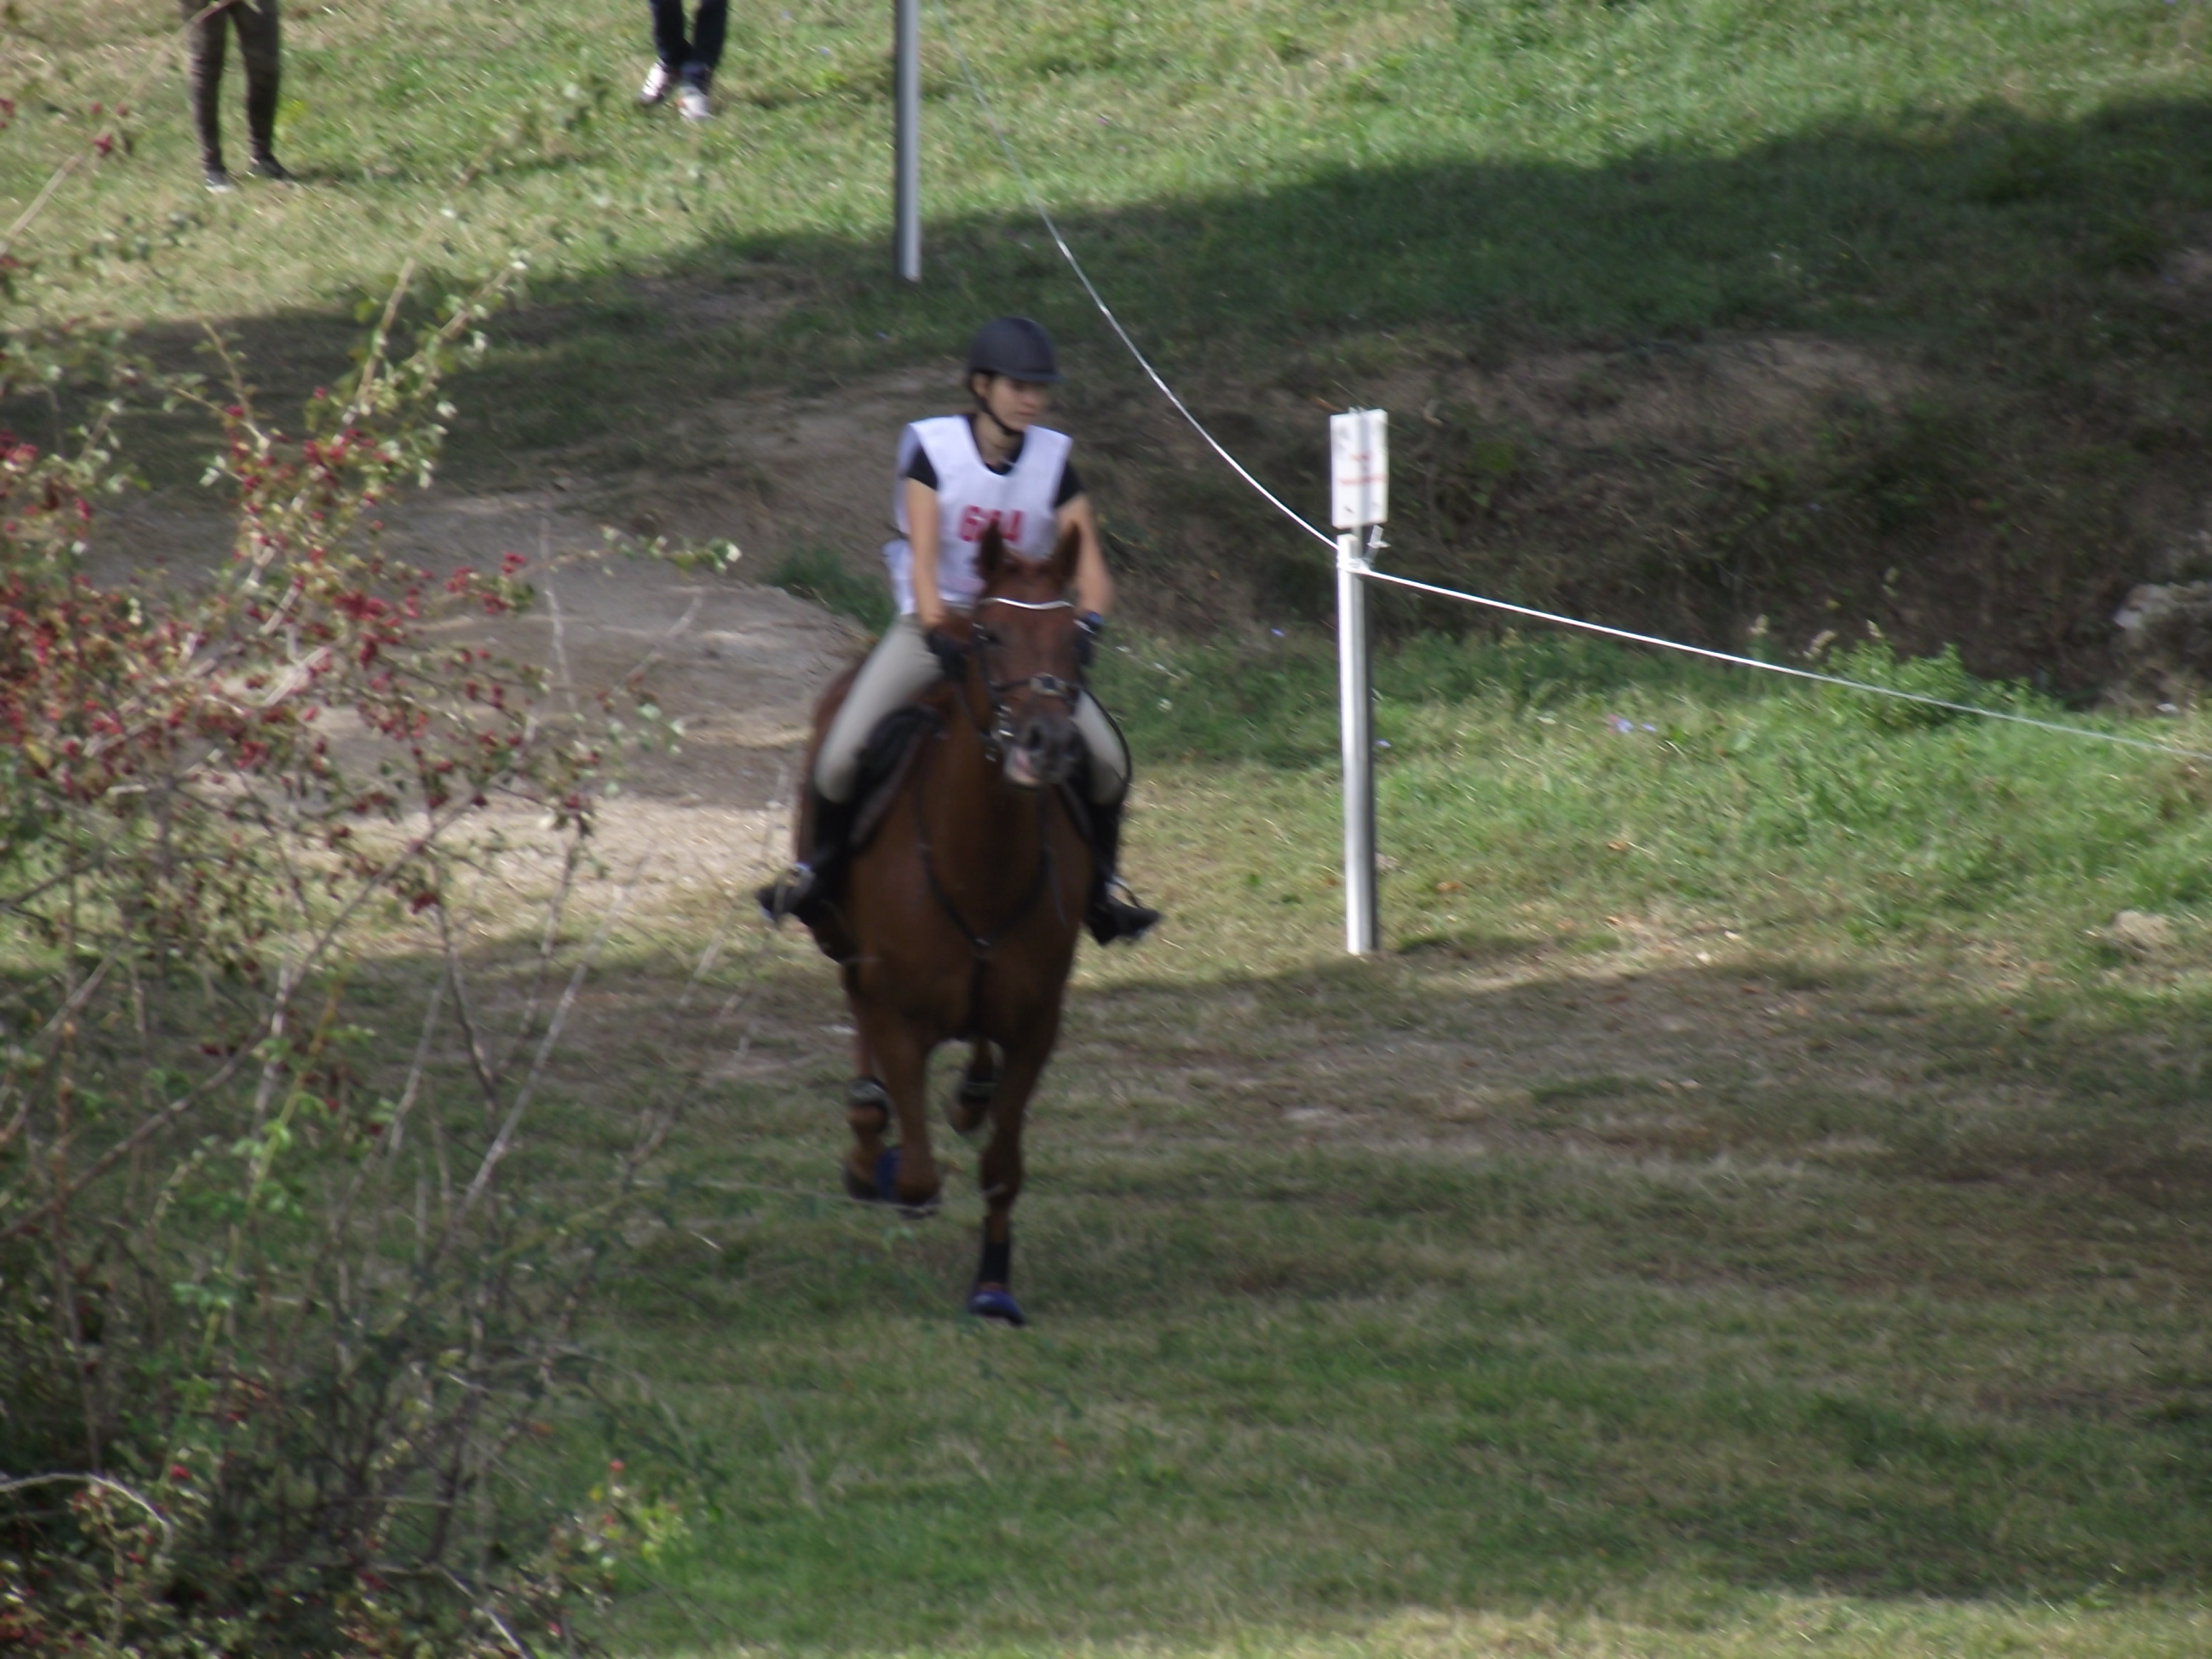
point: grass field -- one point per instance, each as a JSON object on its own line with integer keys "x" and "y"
{"x": 1336, "y": 186}
{"x": 1530, "y": 230}
{"x": 1591, "y": 166}
{"x": 1758, "y": 1203}
{"x": 1699, "y": 1234}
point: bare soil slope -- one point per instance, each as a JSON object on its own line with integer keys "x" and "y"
{"x": 735, "y": 663}
{"x": 1689, "y": 486}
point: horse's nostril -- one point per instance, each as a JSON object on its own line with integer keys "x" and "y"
{"x": 1050, "y": 747}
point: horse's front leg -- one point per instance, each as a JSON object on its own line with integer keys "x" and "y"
{"x": 867, "y": 1103}
{"x": 906, "y": 1174}
{"x": 992, "y": 1295}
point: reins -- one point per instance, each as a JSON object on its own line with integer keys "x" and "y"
{"x": 981, "y": 946}
{"x": 993, "y": 737}
{"x": 983, "y": 943}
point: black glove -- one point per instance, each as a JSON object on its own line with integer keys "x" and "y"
{"x": 952, "y": 655}
{"x": 1088, "y": 628}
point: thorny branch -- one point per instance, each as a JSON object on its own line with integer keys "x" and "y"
{"x": 319, "y": 1402}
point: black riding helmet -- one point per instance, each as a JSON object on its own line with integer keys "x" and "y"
{"x": 1016, "y": 348}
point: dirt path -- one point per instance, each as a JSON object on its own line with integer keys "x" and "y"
{"x": 738, "y": 665}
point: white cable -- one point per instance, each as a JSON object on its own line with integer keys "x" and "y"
{"x": 1730, "y": 657}
{"x": 1036, "y": 203}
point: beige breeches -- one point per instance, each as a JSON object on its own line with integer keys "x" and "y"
{"x": 900, "y": 669}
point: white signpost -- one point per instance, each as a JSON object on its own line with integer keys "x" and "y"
{"x": 906, "y": 145}
{"x": 1359, "y": 485}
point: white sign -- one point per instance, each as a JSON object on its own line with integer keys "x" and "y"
{"x": 1360, "y": 468}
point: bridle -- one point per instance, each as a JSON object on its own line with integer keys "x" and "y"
{"x": 996, "y": 736}
{"x": 1000, "y": 733}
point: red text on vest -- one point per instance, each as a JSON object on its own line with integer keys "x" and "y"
{"x": 974, "y": 520}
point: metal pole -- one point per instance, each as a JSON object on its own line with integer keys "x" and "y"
{"x": 907, "y": 188}
{"x": 1355, "y": 721}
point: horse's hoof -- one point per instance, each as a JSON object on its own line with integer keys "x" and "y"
{"x": 882, "y": 1188}
{"x": 860, "y": 1191}
{"x": 996, "y": 1304}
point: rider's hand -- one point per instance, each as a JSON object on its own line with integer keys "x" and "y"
{"x": 1088, "y": 626}
{"x": 952, "y": 655}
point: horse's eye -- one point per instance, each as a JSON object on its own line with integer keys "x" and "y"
{"x": 985, "y": 636}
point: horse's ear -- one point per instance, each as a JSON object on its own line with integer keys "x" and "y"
{"x": 990, "y": 553}
{"x": 1064, "y": 553}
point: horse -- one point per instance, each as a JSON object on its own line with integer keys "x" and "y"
{"x": 958, "y": 915}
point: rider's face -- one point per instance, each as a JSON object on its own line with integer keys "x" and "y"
{"x": 1015, "y": 404}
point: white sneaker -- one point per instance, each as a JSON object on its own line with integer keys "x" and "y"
{"x": 691, "y": 103}
{"x": 658, "y": 80}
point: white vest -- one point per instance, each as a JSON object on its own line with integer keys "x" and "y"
{"x": 969, "y": 498}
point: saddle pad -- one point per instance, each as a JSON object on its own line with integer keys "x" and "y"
{"x": 884, "y": 760}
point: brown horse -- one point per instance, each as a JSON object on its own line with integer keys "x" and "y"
{"x": 957, "y": 918}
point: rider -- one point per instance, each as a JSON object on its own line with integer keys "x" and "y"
{"x": 956, "y": 474}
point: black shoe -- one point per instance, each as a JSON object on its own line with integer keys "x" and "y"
{"x": 812, "y": 885}
{"x": 1107, "y": 917}
{"x": 793, "y": 893}
{"x": 269, "y": 167}
{"x": 1111, "y": 918}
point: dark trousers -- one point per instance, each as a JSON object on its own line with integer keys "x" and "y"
{"x": 694, "y": 59}
{"x": 207, "y": 41}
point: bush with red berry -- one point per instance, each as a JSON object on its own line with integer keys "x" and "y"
{"x": 270, "y": 1314}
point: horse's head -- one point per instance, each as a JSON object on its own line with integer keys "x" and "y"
{"x": 1025, "y": 641}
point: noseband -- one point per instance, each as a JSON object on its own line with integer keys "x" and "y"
{"x": 1001, "y": 731}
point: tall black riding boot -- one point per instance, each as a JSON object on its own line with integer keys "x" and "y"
{"x": 1109, "y": 917}
{"x": 810, "y": 886}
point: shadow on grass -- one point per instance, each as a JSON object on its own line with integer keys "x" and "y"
{"x": 2022, "y": 439}
{"x": 1967, "y": 230}
{"x": 1970, "y": 233}
{"x": 1367, "y": 1286}
{"x": 1362, "y": 1287}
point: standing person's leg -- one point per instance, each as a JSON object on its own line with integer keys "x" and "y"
{"x": 708, "y": 28}
{"x": 707, "y": 31}
{"x": 670, "y": 50}
{"x": 258, "y": 45}
{"x": 205, "y": 43}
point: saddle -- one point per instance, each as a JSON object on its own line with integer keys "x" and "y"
{"x": 885, "y": 759}
{"x": 888, "y": 756}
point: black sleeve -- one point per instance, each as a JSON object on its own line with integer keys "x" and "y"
{"x": 920, "y": 469}
{"x": 1071, "y": 486}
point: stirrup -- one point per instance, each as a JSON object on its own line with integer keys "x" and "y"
{"x": 788, "y": 895}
